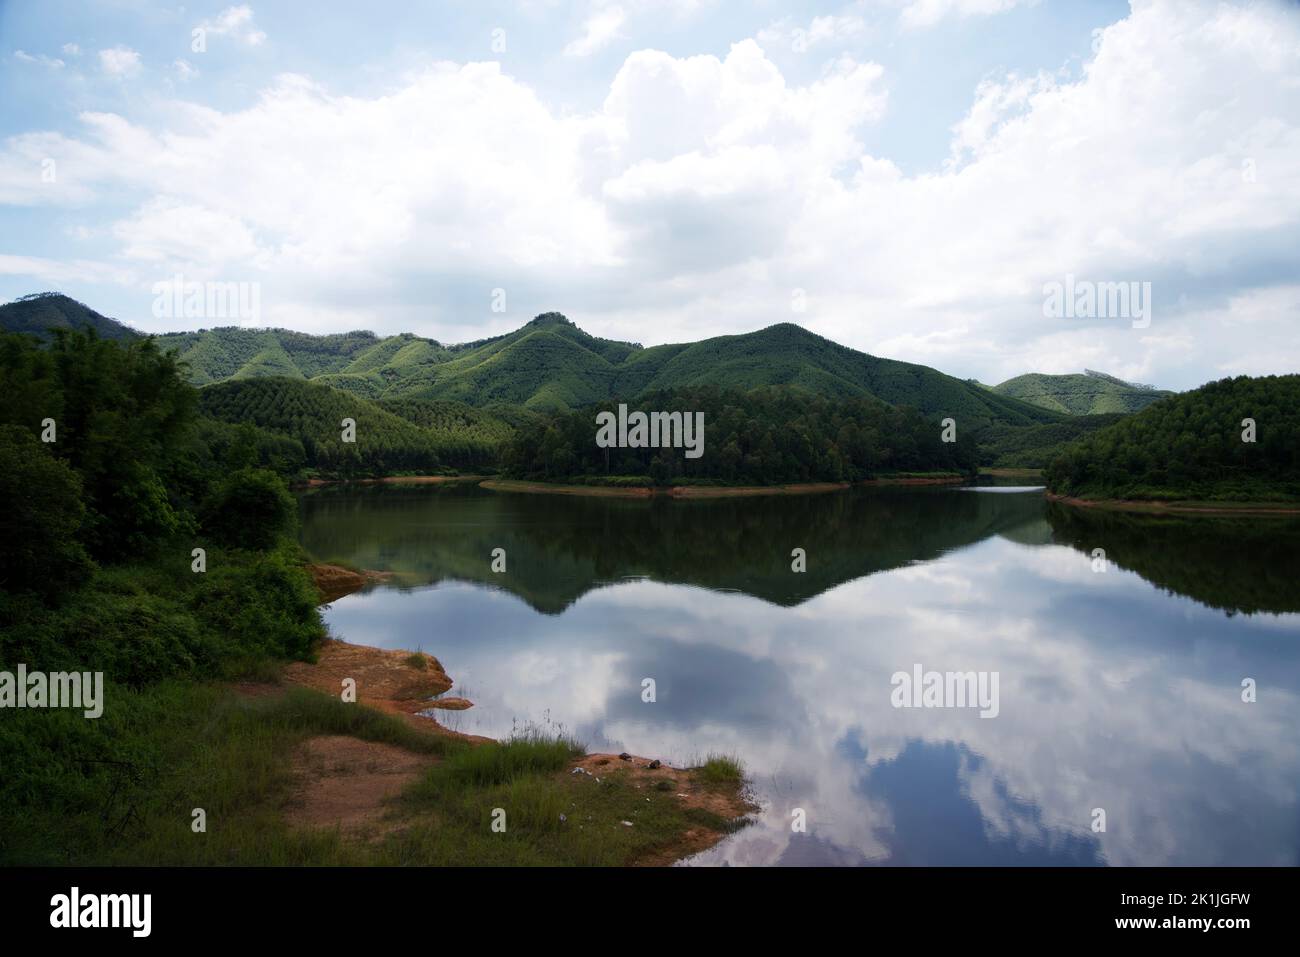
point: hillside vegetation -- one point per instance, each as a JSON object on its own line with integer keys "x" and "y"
{"x": 42, "y": 313}
{"x": 551, "y": 364}
{"x": 1190, "y": 446}
{"x": 762, "y": 436}
{"x": 406, "y": 435}
{"x": 1092, "y": 393}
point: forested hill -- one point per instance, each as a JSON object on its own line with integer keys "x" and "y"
{"x": 551, "y": 364}
{"x": 40, "y": 314}
{"x": 1090, "y": 393}
{"x": 1194, "y": 446}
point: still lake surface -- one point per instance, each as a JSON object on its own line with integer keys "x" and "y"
{"x": 1119, "y": 690}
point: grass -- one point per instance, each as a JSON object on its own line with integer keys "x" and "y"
{"x": 722, "y": 770}
{"x": 122, "y": 790}
{"x": 551, "y": 818}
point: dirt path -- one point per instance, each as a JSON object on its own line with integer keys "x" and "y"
{"x": 346, "y": 783}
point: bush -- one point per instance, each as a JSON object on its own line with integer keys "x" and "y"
{"x": 40, "y": 520}
{"x": 250, "y": 508}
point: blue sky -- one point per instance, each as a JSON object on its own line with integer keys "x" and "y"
{"x": 904, "y": 176}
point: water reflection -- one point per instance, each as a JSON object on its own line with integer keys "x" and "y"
{"x": 1114, "y": 693}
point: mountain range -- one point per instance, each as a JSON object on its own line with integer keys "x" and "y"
{"x": 551, "y": 364}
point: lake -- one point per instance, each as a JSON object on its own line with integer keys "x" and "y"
{"x": 1118, "y": 678}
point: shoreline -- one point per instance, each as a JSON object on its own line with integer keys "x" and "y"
{"x": 334, "y": 783}
{"x": 706, "y": 491}
{"x": 389, "y": 480}
{"x": 1164, "y": 507}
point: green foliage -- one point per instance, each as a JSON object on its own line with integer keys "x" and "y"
{"x": 250, "y": 508}
{"x": 1092, "y": 393}
{"x": 551, "y": 364}
{"x": 42, "y": 314}
{"x": 41, "y": 518}
{"x": 1034, "y": 446}
{"x": 766, "y": 436}
{"x": 501, "y": 762}
{"x": 228, "y": 446}
{"x": 143, "y": 622}
{"x": 123, "y": 416}
{"x": 722, "y": 769}
{"x": 313, "y": 415}
{"x": 1190, "y": 447}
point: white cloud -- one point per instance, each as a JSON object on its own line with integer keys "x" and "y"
{"x": 71, "y": 49}
{"x": 61, "y": 271}
{"x": 184, "y": 70}
{"x": 598, "y": 31}
{"x": 820, "y": 30}
{"x": 52, "y": 62}
{"x": 926, "y": 13}
{"x": 703, "y": 190}
{"x": 119, "y": 61}
{"x": 235, "y": 22}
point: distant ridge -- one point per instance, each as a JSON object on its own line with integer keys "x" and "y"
{"x": 551, "y": 364}
{"x": 1092, "y": 393}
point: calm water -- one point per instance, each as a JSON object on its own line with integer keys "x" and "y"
{"x": 1118, "y": 690}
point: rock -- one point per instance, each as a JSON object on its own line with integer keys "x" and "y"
{"x": 625, "y": 756}
{"x": 654, "y": 764}
{"x": 627, "y": 823}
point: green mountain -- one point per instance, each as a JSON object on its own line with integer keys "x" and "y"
{"x": 40, "y": 314}
{"x": 1195, "y": 445}
{"x": 1092, "y": 393}
{"x": 552, "y": 364}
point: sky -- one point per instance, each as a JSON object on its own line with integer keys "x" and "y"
{"x": 908, "y": 177}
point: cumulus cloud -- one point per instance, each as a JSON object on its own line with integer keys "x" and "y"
{"x": 234, "y": 22}
{"x": 598, "y": 31}
{"x": 819, "y": 31}
{"x": 704, "y": 190}
{"x": 119, "y": 61}
{"x": 919, "y": 14}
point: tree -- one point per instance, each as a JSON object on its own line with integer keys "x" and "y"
{"x": 42, "y": 515}
{"x": 250, "y": 508}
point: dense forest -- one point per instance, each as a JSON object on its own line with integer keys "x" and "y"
{"x": 109, "y": 487}
{"x": 1035, "y": 446}
{"x": 763, "y": 436}
{"x": 1196, "y": 445}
